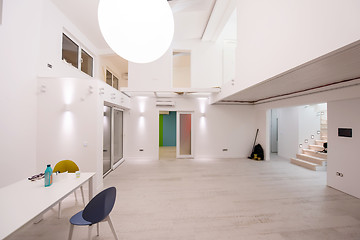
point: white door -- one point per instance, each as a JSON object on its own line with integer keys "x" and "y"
{"x": 184, "y": 135}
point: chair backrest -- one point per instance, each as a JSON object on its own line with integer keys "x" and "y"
{"x": 66, "y": 165}
{"x": 100, "y": 206}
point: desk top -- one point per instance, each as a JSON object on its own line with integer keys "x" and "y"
{"x": 22, "y": 201}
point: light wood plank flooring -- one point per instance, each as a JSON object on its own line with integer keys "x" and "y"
{"x": 215, "y": 199}
{"x": 167, "y": 153}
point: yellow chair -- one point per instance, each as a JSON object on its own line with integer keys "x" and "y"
{"x": 70, "y": 167}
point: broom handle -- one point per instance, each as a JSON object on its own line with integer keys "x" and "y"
{"x": 257, "y": 130}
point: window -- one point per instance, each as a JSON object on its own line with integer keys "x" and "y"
{"x": 86, "y": 63}
{"x": 70, "y": 51}
{"x": 77, "y": 57}
{"x": 112, "y": 80}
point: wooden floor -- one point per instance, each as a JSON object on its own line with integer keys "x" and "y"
{"x": 215, "y": 199}
{"x": 167, "y": 153}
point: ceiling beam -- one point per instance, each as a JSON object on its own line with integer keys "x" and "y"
{"x": 219, "y": 16}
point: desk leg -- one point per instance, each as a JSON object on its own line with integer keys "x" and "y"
{"x": 91, "y": 185}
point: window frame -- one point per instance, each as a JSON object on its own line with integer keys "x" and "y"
{"x": 112, "y": 78}
{"x": 80, "y": 49}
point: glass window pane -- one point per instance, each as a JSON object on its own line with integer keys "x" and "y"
{"x": 185, "y": 134}
{"x": 70, "y": 51}
{"x": 108, "y": 78}
{"x": 118, "y": 135}
{"x": 115, "y": 82}
{"x": 86, "y": 63}
{"x": 107, "y": 140}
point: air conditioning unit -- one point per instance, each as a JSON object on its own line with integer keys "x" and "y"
{"x": 165, "y": 103}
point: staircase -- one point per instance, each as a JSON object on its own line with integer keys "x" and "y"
{"x": 312, "y": 158}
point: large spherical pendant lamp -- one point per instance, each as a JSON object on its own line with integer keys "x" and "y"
{"x": 140, "y": 31}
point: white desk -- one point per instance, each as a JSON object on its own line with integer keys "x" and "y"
{"x": 23, "y": 201}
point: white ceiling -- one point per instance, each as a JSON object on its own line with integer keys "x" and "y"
{"x": 190, "y": 17}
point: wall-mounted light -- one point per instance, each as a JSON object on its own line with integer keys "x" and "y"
{"x": 312, "y": 136}
{"x": 91, "y": 89}
{"x": 67, "y": 107}
{"x": 300, "y": 145}
{"x": 43, "y": 88}
{"x": 318, "y": 132}
{"x": 306, "y": 141}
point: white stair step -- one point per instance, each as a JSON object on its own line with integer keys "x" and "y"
{"x": 306, "y": 164}
{"x": 309, "y": 158}
{"x": 320, "y": 142}
{"x": 316, "y": 147}
{"x": 315, "y": 153}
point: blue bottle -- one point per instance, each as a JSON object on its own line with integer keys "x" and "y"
{"x": 48, "y": 175}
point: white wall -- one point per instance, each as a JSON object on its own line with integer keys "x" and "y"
{"x": 276, "y": 36}
{"x": 76, "y": 134}
{"x": 181, "y": 70}
{"x": 206, "y": 67}
{"x": 206, "y": 62}
{"x": 68, "y": 134}
{"x": 309, "y": 124}
{"x": 230, "y": 127}
{"x": 53, "y": 23}
{"x": 19, "y": 46}
{"x": 343, "y": 153}
{"x": 154, "y": 75}
{"x": 292, "y": 32}
{"x": 31, "y": 37}
{"x": 288, "y": 132}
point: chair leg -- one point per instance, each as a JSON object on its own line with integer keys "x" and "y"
{"x": 71, "y": 231}
{"x": 82, "y": 194}
{"x": 59, "y": 210}
{"x": 98, "y": 229}
{"x": 112, "y": 227}
{"x": 89, "y": 231}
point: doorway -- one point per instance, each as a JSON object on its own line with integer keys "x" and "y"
{"x": 175, "y": 135}
{"x": 274, "y": 131}
{"x": 167, "y": 134}
{"x": 112, "y": 138}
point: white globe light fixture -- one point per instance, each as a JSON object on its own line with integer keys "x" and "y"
{"x": 140, "y": 31}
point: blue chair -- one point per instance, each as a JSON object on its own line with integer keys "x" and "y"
{"x": 97, "y": 210}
